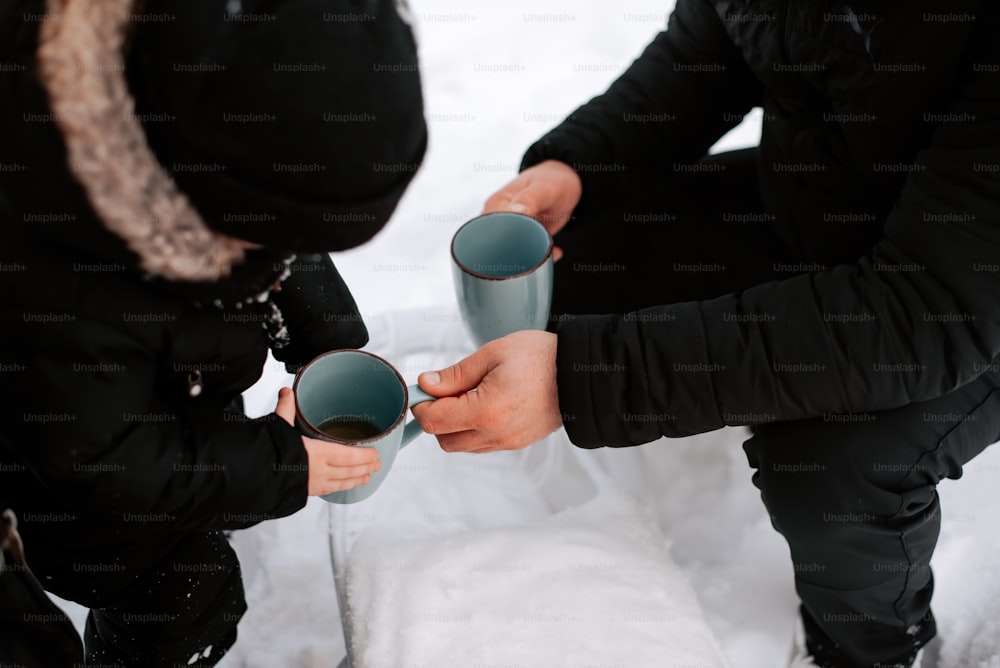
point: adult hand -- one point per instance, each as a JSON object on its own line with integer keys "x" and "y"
{"x": 502, "y": 397}
{"x": 549, "y": 191}
{"x": 332, "y": 467}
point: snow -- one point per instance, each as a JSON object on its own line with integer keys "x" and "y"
{"x": 496, "y": 76}
{"x": 513, "y": 596}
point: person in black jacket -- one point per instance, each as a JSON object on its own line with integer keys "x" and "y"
{"x": 835, "y": 288}
{"x": 174, "y": 174}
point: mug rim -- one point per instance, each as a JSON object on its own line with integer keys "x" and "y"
{"x": 461, "y": 265}
{"x": 316, "y": 433}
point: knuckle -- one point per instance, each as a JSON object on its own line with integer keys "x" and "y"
{"x": 497, "y": 200}
{"x": 495, "y": 349}
{"x": 458, "y": 372}
{"x": 428, "y": 425}
{"x": 487, "y": 417}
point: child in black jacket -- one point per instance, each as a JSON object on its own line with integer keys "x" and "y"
{"x": 182, "y": 170}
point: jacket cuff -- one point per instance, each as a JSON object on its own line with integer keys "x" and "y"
{"x": 575, "y": 395}
{"x": 319, "y": 311}
{"x": 604, "y": 393}
{"x": 632, "y": 379}
{"x": 272, "y": 485}
{"x": 291, "y": 469}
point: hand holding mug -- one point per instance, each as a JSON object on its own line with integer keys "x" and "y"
{"x": 355, "y": 400}
{"x": 332, "y": 467}
{"x": 502, "y": 397}
{"x": 549, "y": 192}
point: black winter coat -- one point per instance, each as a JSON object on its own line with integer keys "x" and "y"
{"x": 128, "y": 321}
{"x": 881, "y": 112}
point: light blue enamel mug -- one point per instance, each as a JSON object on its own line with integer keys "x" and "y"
{"x": 502, "y": 266}
{"x": 356, "y": 398}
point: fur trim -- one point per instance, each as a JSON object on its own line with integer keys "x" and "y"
{"x": 81, "y": 67}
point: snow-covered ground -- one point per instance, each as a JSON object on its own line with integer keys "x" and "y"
{"x": 496, "y": 76}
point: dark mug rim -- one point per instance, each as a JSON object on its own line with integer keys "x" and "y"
{"x": 487, "y": 277}
{"x": 316, "y": 433}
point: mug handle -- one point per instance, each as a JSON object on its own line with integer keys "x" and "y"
{"x": 413, "y": 428}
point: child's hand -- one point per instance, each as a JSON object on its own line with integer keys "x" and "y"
{"x": 332, "y": 467}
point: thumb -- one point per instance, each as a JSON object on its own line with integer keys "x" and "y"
{"x": 460, "y": 377}
{"x": 516, "y": 198}
{"x": 286, "y": 405}
{"x": 527, "y": 201}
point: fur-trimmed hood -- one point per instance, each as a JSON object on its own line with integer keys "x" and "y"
{"x": 144, "y": 101}
{"x": 81, "y": 65}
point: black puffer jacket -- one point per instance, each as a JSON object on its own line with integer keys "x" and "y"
{"x": 129, "y": 318}
{"x": 880, "y": 112}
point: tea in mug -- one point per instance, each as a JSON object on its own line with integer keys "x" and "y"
{"x": 349, "y": 428}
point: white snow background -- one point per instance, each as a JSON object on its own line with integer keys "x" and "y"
{"x": 496, "y": 76}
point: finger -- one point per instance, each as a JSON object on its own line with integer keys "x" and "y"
{"x": 450, "y": 414}
{"x": 335, "y": 454}
{"x": 498, "y": 201}
{"x": 464, "y": 441}
{"x": 519, "y": 196}
{"x": 480, "y": 442}
{"x": 351, "y": 471}
{"x": 460, "y": 377}
{"x": 340, "y": 484}
{"x": 556, "y": 253}
{"x": 493, "y": 447}
{"x": 285, "y": 409}
{"x": 499, "y": 447}
{"x": 529, "y": 201}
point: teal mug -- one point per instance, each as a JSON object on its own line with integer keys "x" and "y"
{"x": 356, "y": 398}
{"x": 502, "y": 265}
